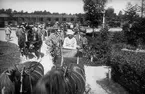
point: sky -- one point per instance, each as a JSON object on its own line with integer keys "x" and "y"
{"x": 60, "y": 6}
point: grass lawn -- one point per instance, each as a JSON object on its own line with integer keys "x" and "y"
{"x": 9, "y": 55}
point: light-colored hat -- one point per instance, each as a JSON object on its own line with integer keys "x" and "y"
{"x": 39, "y": 26}
{"x": 69, "y": 32}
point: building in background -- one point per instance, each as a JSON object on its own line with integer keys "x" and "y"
{"x": 15, "y": 19}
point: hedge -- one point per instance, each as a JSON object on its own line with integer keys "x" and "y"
{"x": 128, "y": 69}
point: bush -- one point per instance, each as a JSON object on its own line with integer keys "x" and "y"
{"x": 128, "y": 69}
{"x": 99, "y": 47}
{"x": 117, "y": 37}
{"x": 135, "y": 32}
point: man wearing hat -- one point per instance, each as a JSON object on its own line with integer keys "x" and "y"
{"x": 41, "y": 31}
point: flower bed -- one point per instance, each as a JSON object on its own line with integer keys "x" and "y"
{"x": 128, "y": 69}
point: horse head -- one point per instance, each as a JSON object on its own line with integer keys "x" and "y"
{"x": 61, "y": 80}
{"x": 8, "y": 81}
{"x": 13, "y": 74}
{"x": 20, "y": 80}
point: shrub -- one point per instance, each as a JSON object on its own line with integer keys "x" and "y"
{"x": 128, "y": 69}
{"x": 135, "y": 32}
{"x": 118, "y": 37}
{"x": 99, "y": 46}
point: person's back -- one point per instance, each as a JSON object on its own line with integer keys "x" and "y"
{"x": 52, "y": 41}
{"x": 19, "y": 31}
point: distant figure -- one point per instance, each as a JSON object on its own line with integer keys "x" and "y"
{"x": 42, "y": 31}
{"x": 78, "y": 38}
{"x": 8, "y": 32}
{"x": 81, "y": 39}
{"x": 35, "y": 28}
{"x": 84, "y": 40}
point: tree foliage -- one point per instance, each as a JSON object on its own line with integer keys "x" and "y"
{"x": 111, "y": 18}
{"x": 93, "y": 10}
{"x": 131, "y": 13}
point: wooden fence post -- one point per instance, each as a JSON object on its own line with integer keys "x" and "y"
{"x": 3, "y": 90}
{"x": 109, "y": 73}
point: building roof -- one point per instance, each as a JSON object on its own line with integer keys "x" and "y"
{"x": 4, "y": 15}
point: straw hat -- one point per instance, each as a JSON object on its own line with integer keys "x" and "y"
{"x": 69, "y": 32}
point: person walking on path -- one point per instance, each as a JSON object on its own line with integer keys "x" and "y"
{"x": 8, "y": 32}
{"x": 52, "y": 41}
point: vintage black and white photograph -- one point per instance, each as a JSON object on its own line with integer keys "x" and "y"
{"x": 72, "y": 46}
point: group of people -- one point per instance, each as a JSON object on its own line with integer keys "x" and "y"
{"x": 69, "y": 40}
{"x": 67, "y": 37}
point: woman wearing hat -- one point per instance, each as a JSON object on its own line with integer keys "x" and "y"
{"x": 70, "y": 44}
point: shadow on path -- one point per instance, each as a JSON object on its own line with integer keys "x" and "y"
{"x": 111, "y": 87}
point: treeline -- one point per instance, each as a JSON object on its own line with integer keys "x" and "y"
{"x": 10, "y": 11}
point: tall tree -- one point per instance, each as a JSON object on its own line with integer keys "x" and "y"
{"x": 93, "y": 10}
{"x": 131, "y": 13}
{"x": 109, "y": 13}
{"x": 2, "y": 10}
{"x": 14, "y": 11}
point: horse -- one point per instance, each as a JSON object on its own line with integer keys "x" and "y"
{"x": 21, "y": 78}
{"x": 62, "y": 80}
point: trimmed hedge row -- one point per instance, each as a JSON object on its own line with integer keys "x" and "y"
{"x": 128, "y": 69}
